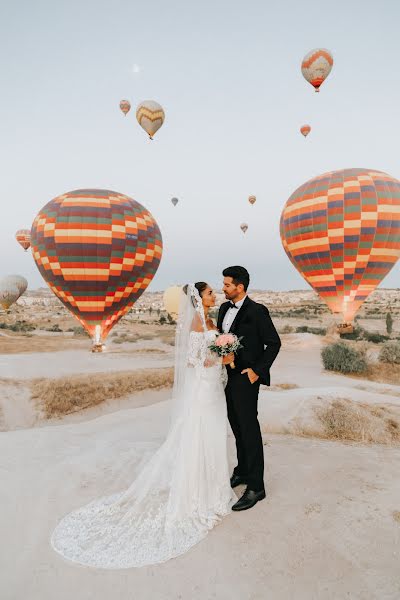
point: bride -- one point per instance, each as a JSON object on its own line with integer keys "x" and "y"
{"x": 184, "y": 489}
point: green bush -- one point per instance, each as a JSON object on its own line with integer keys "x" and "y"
{"x": 375, "y": 338}
{"x": 308, "y": 329}
{"x": 54, "y": 328}
{"x": 390, "y": 353}
{"x": 357, "y": 334}
{"x": 341, "y": 357}
{"x": 18, "y": 326}
{"x": 389, "y": 323}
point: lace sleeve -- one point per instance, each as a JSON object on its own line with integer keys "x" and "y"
{"x": 197, "y": 351}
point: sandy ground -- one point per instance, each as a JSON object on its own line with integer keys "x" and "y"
{"x": 328, "y": 529}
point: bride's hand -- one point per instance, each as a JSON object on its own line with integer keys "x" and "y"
{"x": 228, "y": 359}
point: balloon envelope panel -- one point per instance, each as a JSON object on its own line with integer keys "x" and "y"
{"x": 98, "y": 250}
{"x": 341, "y": 230}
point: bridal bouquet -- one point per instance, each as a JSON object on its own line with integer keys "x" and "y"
{"x": 225, "y": 344}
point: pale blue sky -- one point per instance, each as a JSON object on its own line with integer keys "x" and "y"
{"x": 228, "y": 76}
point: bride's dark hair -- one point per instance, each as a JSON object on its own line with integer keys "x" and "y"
{"x": 200, "y": 287}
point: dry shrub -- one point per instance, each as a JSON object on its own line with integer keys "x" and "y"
{"x": 285, "y": 386}
{"x": 347, "y": 420}
{"x": 383, "y": 373}
{"x": 396, "y": 515}
{"x": 58, "y": 397}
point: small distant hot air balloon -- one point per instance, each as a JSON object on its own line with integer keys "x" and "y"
{"x": 16, "y": 281}
{"x": 341, "y": 230}
{"x": 150, "y": 116}
{"x": 125, "y": 106}
{"x": 174, "y": 201}
{"x": 244, "y": 227}
{"x": 305, "y": 130}
{"x": 8, "y": 295}
{"x": 316, "y": 66}
{"x": 98, "y": 251}
{"x": 23, "y": 237}
{"x": 252, "y": 199}
{"x": 172, "y": 297}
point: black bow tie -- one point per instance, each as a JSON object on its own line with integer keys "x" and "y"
{"x": 233, "y": 305}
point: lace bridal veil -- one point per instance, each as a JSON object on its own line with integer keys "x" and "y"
{"x": 183, "y": 490}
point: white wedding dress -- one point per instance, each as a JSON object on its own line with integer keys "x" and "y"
{"x": 182, "y": 491}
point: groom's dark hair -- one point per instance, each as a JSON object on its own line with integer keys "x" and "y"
{"x": 239, "y": 275}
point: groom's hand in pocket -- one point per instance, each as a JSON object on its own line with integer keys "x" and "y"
{"x": 253, "y": 377}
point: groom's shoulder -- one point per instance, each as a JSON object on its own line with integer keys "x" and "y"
{"x": 261, "y": 308}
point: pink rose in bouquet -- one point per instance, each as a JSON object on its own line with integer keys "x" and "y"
{"x": 226, "y": 343}
{"x": 226, "y": 339}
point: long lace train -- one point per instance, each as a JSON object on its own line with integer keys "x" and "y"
{"x": 177, "y": 497}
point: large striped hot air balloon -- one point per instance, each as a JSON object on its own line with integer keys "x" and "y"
{"x": 23, "y": 237}
{"x": 341, "y": 230}
{"x": 150, "y": 116}
{"x": 316, "y": 66}
{"x": 98, "y": 251}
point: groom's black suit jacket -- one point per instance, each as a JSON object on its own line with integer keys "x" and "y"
{"x": 260, "y": 341}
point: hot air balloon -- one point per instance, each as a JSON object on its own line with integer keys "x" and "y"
{"x": 174, "y": 201}
{"x": 16, "y": 281}
{"x": 172, "y": 297}
{"x": 341, "y": 230}
{"x": 150, "y": 116}
{"x": 23, "y": 237}
{"x": 252, "y": 199}
{"x": 316, "y": 66}
{"x": 305, "y": 130}
{"x": 125, "y": 106}
{"x": 98, "y": 251}
{"x": 8, "y": 295}
{"x": 244, "y": 227}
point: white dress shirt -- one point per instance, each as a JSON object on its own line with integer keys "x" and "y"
{"x": 231, "y": 314}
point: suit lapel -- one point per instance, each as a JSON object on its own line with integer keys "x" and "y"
{"x": 221, "y": 315}
{"x": 241, "y": 312}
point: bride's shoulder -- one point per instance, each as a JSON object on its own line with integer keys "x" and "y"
{"x": 197, "y": 325}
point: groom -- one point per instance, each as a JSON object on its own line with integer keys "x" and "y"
{"x": 244, "y": 317}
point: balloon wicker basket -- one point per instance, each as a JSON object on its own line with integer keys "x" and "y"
{"x": 345, "y": 328}
{"x": 98, "y": 347}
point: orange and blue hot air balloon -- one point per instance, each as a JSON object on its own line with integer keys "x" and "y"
{"x": 98, "y": 251}
{"x": 341, "y": 231}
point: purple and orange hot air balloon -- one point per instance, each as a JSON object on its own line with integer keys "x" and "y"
{"x": 98, "y": 251}
{"x": 341, "y": 231}
{"x": 23, "y": 237}
{"x": 316, "y": 66}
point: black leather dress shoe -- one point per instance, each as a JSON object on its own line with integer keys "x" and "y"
{"x": 249, "y": 499}
{"x": 237, "y": 480}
